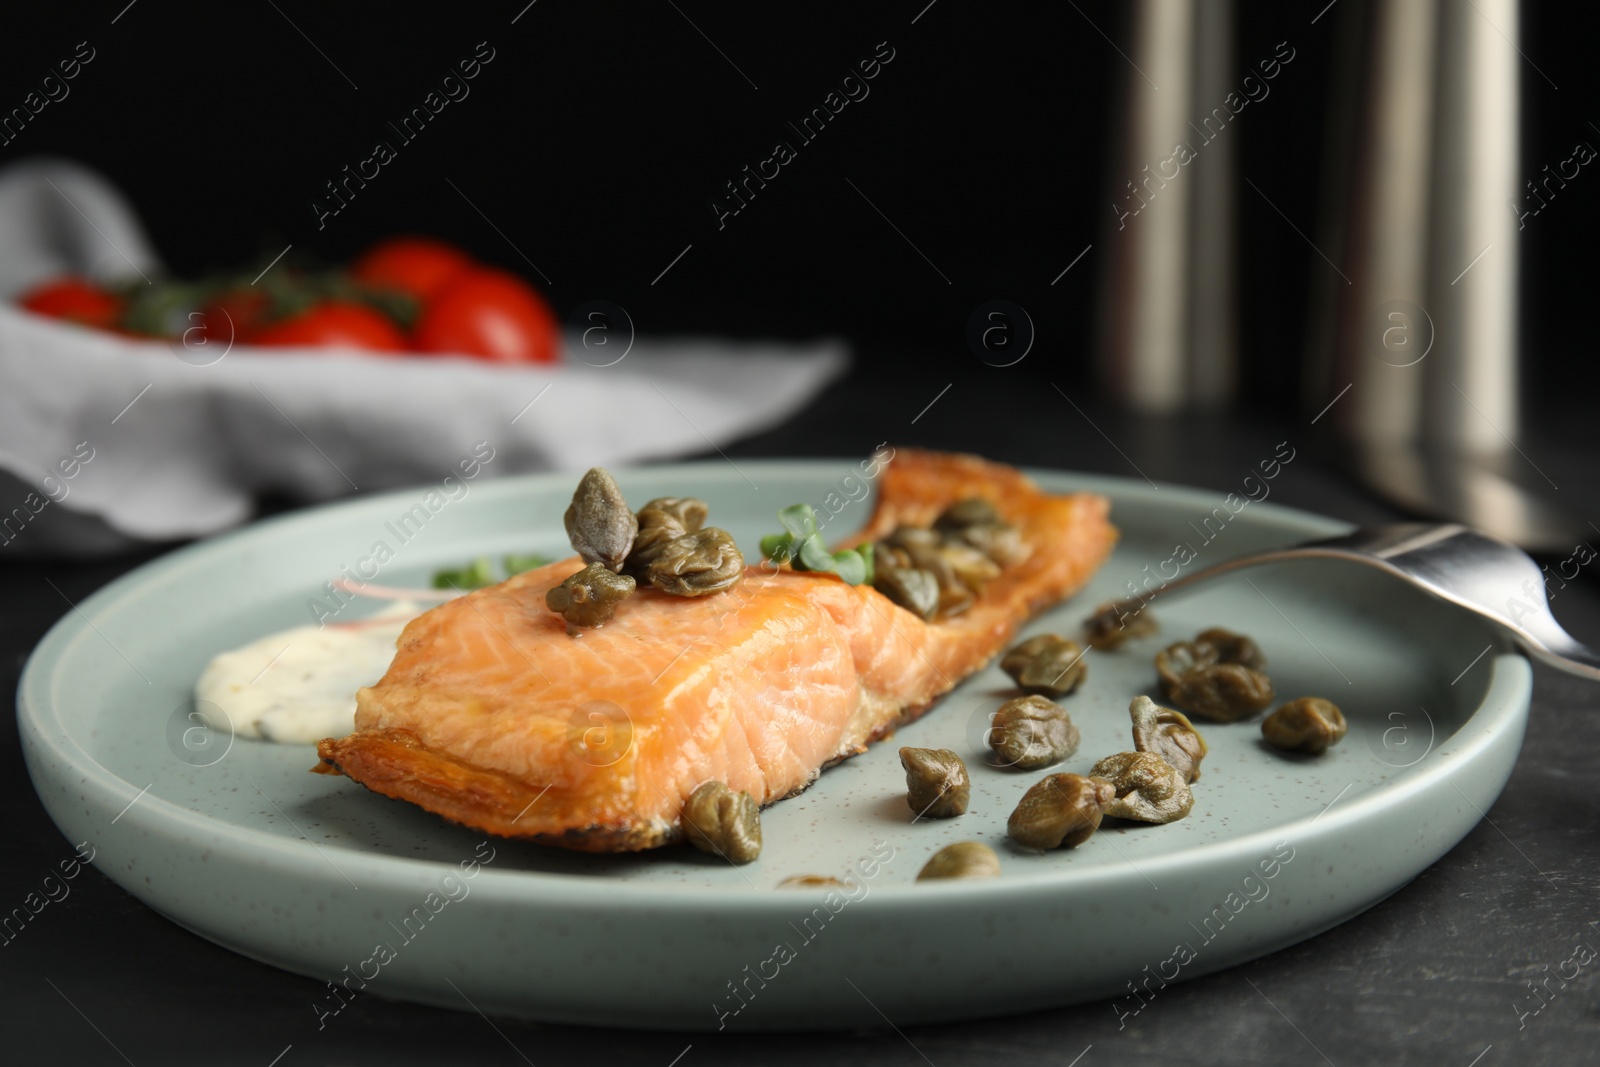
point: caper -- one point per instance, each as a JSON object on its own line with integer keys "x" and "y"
{"x": 1234, "y": 648}
{"x": 1058, "y": 670}
{"x": 954, "y": 599}
{"x": 964, "y": 513}
{"x": 936, "y": 782}
{"x": 660, "y": 521}
{"x": 1047, "y": 664}
{"x": 687, "y": 511}
{"x": 959, "y": 569}
{"x": 1109, "y": 627}
{"x": 912, "y": 588}
{"x": 1184, "y": 657}
{"x": 1060, "y": 811}
{"x": 1309, "y": 724}
{"x": 971, "y": 567}
{"x": 718, "y": 820}
{"x": 698, "y": 563}
{"x": 977, "y": 524}
{"x": 1147, "y": 787}
{"x": 957, "y": 564}
{"x": 1031, "y": 732}
{"x": 589, "y": 597}
{"x": 886, "y": 554}
{"x": 598, "y": 521}
{"x": 907, "y": 537}
{"x": 929, "y": 557}
{"x": 1226, "y": 692}
{"x": 648, "y": 545}
{"x": 1020, "y": 655}
{"x": 1217, "y": 676}
{"x": 809, "y": 881}
{"x": 1168, "y": 734}
{"x": 999, "y": 541}
{"x": 964, "y": 859}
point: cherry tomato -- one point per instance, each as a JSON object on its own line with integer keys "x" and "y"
{"x": 335, "y": 322}
{"x": 75, "y": 300}
{"x": 420, "y": 266}
{"x": 235, "y": 315}
{"x": 492, "y": 315}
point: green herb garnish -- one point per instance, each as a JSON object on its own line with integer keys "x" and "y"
{"x": 480, "y": 572}
{"x": 801, "y": 546}
{"x": 474, "y": 575}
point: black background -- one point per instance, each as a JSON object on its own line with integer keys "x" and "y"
{"x": 600, "y": 132}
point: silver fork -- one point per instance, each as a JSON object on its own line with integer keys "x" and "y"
{"x": 1487, "y": 577}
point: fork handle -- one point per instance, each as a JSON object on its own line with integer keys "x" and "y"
{"x": 1554, "y": 647}
{"x": 1539, "y": 636}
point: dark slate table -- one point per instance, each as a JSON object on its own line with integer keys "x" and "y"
{"x": 1437, "y": 974}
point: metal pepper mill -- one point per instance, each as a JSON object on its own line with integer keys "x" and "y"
{"x": 1412, "y": 356}
{"x": 1168, "y": 329}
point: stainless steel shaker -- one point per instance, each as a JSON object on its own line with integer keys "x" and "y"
{"x": 1168, "y": 327}
{"x": 1413, "y": 348}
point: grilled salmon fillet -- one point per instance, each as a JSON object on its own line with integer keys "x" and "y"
{"x": 492, "y": 716}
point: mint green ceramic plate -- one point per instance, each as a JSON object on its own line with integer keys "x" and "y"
{"x": 238, "y": 843}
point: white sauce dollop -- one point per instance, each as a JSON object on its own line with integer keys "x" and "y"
{"x": 299, "y": 686}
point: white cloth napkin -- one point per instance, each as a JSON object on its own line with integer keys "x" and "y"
{"x": 106, "y": 442}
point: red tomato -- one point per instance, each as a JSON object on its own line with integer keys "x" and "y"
{"x": 234, "y": 315}
{"x": 491, "y": 315}
{"x": 420, "y": 266}
{"x": 75, "y": 300}
{"x": 335, "y": 322}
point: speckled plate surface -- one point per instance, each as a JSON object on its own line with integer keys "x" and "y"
{"x": 238, "y": 843}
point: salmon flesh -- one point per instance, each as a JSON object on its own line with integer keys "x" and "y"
{"x": 493, "y": 717}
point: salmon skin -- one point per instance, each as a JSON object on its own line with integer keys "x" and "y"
{"x": 493, "y": 717}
